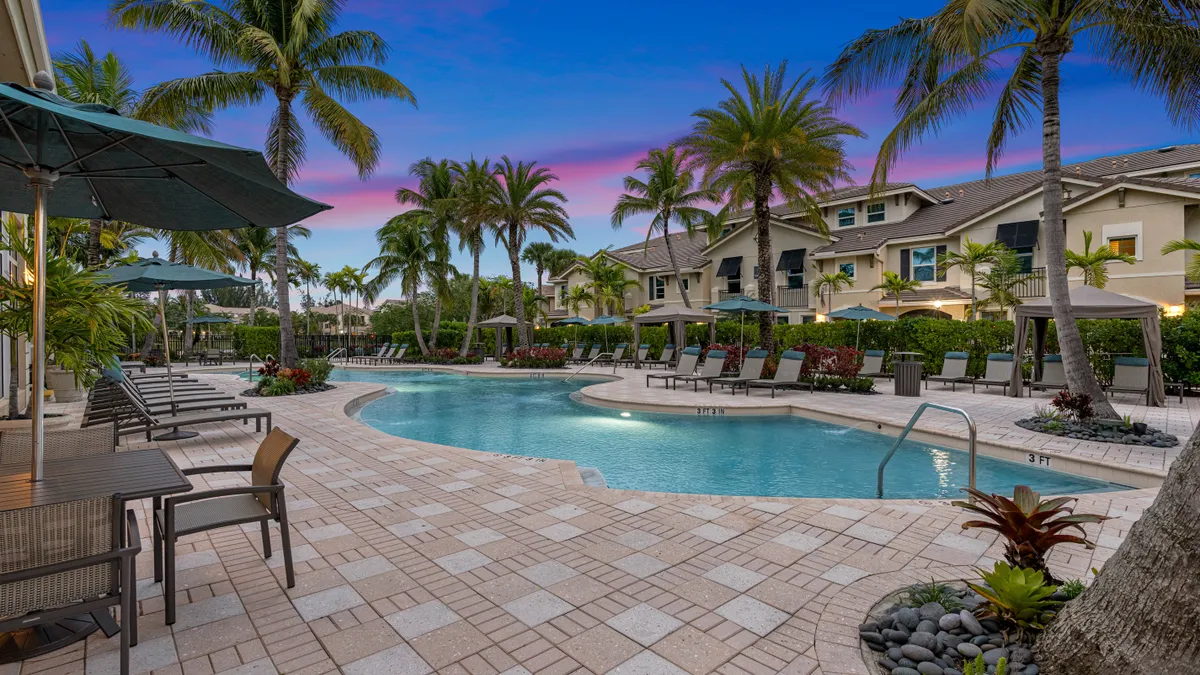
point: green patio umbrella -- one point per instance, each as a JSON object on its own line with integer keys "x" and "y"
{"x": 606, "y": 321}
{"x": 104, "y": 166}
{"x": 860, "y": 314}
{"x": 196, "y": 320}
{"x": 743, "y": 305}
{"x": 576, "y": 321}
{"x": 156, "y": 274}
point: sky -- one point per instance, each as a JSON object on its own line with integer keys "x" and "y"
{"x": 586, "y": 89}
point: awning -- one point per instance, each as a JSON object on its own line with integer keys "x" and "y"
{"x": 1018, "y": 235}
{"x": 730, "y": 267}
{"x": 791, "y": 260}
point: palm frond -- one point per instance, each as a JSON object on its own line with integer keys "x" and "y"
{"x": 362, "y": 83}
{"x": 203, "y": 26}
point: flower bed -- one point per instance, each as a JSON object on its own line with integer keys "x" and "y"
{"x": 535, "y": 357}
{"x": 309, "y": 378}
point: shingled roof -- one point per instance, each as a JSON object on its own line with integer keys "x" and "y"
{"x": 652, "y": 255}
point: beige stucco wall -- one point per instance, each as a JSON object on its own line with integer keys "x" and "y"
{"x": 742, "y": 244}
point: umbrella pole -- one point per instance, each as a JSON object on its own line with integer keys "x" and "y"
{"x": 857, "y": 333}
{"x": 175, "y": 434}
{"x": 40, "y": 180}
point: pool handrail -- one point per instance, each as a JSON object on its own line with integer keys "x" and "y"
{"x": 594, "y": 359}
{"x": 250, "y": 369}
{"x": 336, "y": 352}
{"x": 913, "y": 420}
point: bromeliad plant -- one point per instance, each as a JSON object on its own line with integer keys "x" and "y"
{"x": 1030, "y": 525}
{"x": 1076, "y": 406}
{"x": 1020, "y": 599}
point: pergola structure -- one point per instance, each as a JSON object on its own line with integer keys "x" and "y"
{"x": 677, "y": 316}
{"x": 504, "y": 325}
{"x": 1090, "y": 303}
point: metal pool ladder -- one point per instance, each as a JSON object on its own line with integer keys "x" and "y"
{"x": 594, "y": 359}
{"x": 913, "y": 421}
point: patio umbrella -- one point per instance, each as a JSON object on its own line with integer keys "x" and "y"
{"x": 606, "y": 321}
{"x": 105, "y": 166}
{"x": 742, "y": 305}
{"x": 576, "y": 321}
{"x": 860, "y": 314}
{"x": 156, "y": 274}
{"x": 209, "y": 320}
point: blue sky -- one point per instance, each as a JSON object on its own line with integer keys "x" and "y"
{"x": 586, "y": 89}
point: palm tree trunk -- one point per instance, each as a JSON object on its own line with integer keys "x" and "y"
{"x": 95, "y": 226}
{"x": 14, "y": 378}
{"x": 973, "y": 301}
{"x": 462, "y": 351}
{"x": 287, "y": 337}
{"x": 412, "y": 302}
{"x": 308, "y": 310}
{"x": 437, "y": 321}
{"x": 518, "y": 296}
{"x": 1138, "y": 616}
{"x": 253, "y": 295}
{"x": 897, "y": 304}
{"x": 762, "y": 222}
{"x": 687, "y": 302}
{"x": 1080, "y": 378}
{"x": 187, "y": 330}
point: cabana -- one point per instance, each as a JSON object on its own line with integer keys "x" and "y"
{"x": 678, "y": 316}
{"x": 504, "y": 325}
{"x": 1090, "y": 303}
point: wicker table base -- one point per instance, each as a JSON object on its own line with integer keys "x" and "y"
{"x": 45, "y": 638}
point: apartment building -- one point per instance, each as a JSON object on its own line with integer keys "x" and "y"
{"x": 1133, "y": 203}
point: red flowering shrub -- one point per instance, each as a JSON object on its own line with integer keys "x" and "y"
{"x": 832, "y": 361}
{"x": 535, "y": 357}
{"x": 299, "y": 377}
{"x": 270, "y": 368}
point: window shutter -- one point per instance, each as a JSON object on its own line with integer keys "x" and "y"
{"x": 905, "y": 264}
{"x": 941, "y": 273}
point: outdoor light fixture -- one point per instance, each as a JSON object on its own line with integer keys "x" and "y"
{"x": 821, "y": 318}
{"x": 937, "y": 304}
{"x": 1174, "y": 310}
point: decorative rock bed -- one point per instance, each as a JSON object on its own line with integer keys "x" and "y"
{"x": 930, "y": 640}
{"x": 1094, "y": 431}
{"x": 311, "y": 389}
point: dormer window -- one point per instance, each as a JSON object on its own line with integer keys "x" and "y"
{"x": 846, "y": 216}
{"x": 877, "y": 212}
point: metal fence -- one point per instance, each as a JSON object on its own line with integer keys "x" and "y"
{"x": 306, "y": 345}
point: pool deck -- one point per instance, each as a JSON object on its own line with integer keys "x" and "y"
{"x": 414, "y": 558}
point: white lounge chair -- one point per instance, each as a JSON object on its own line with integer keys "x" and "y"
{"x": 873, "y": 364}
{"x": 714, "y": 364}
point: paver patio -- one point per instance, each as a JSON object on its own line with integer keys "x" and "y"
{"x": 416, "y": 558}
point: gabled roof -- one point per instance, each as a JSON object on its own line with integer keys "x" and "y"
{"x": 652, "y": 255}
{"x": 1180, "y": 187}
{"x": 801, "y": 226}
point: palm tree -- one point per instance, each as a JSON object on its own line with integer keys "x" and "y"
{"x": 607, "y": 282}
{"x": 82, "y": 77}
{"x": 433, "y": 201}
{"x": 212, "y": 249}
{"x": 973, "y": 256}
{"x": 472, "y": 190}
{"x": 411, "y": 253}
{"x": 501, "y": 288}
{"x": 257, "y": 248}
{"x": 1094, "y": 264}
{"x": 667, "y": 194}
{"x": 535, "y": 304}
{"x": 894, "y": 284}
{"x": 560, "y": 260}
{"x": 947, "y": 62}
{"x": 538, "y": 254}
{"x": 336, "y": 282}
{"x": 286, "y": 48}
{"x": 522, "y": 202}
{"x": 577, "y": 298}
{"x": 618, "y": 286}
{"x": 1001, "y": 282}
{"x": 772, "y": 139}
{"x": 1192, "y": 270}
{"x": 833, "y": 282}
{"x": 309, "y": 273}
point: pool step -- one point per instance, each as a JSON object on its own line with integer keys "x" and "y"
{"x": 592, "y": 477}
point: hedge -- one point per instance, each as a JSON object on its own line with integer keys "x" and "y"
{"x": 260, "y": 340}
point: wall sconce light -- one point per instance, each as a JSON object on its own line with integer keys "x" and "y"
{"x": 937, "y": 304}
{"x": 1174, "y": 310}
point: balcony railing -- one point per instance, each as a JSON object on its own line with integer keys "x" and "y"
{"x": 725, "y": 295}
{"x": 1031, "y": 284}
{"x": 796, "y": 298}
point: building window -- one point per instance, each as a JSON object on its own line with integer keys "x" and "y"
{"x": 848, "y": 268}
{"x": 1123, "y": 245}
{"x": 685, "y": 284}
{"x": 846, "y": 216}
{"x": 658, "y": 288}
{"x": 1024, "y": 259}
{"x": 877, "y": 212}
{"x": 795, "y": 278}
{"x": 734, "y": 284}
{"x": 924, "y": 263}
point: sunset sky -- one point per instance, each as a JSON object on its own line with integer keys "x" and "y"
{"x": 586, "y": 89}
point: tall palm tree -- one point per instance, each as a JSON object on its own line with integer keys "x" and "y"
{"x": 82, "y": 77}
{"x": 538, "y": 254}
{"x": 472, "y": 190}
{"x": 577, "y": 298}
{"x": 831, "y": 283}
{"x": 560, "y": 260}
{"x": 211, "y": 249}
{"x": 287, "y": 48}
{"x": 1094, "y": 264}
{"x": 336, "y": 283}
{"x": 433, "y": 201}
{"x": 501, "y": 288}
{"x": 308, "y": 273}
{"x": 975, "y": 255}
{"x": 771, "y": 139}
{"x": 257, "y": 248}
{"x": 521, "y": 203}
{"x": 1192, "y": 270}
{"x": 667, "y": 194}
{"x": 946, "y": 63}
{"x": 410, "y": 252}
{"x": 894, "y": 284}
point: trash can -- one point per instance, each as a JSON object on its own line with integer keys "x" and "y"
{"x": 908, "y": 377}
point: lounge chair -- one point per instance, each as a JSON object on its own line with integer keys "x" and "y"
{"x": 131, "y": 366}
{"x": 383, "y": 351}
{"x": 664, "y": 359}
{"x": 397, "y": 356}
{"x": 147, "y": 422}
{"x": 714, "y": 363}
{"x": 787, "y": 375}
{"x": 1053, "y": 376}
{"x": 577, "y": 355}
{"x": 752, "y": 369}
{"x": 998, "y": 373}
{"x": 617, "y": 354}
{"x": 686, "y": 366}
{"x": 388, "y": 352}
{"x": 954, "y": 370}
{"x": 873, "y": 364}
{"x": 1131, "y": 375}
{"x": 106, "y": 409}
{"x": 642, "y": 350}
{"x": 260, "y": 502}
{"x": 595, "y": 352}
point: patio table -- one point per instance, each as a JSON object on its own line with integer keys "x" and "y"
{"x": 136, "y": 474}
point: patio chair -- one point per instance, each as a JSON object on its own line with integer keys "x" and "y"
{"x": 385, "y": 352}
{"x": 211, "y": 357}
{"x": 664, "y": 359}
{"x": 642, "y": 350}
{"x": 998, "y": 373}
{"x": 787, "y": 375}
{"x": 59, "y": 561}
{"x": 147, "y": 422}
{"x": 16, "y": 445}
{"x": 873, "y": 364}
{"x": 752, "y": 369}
{"x": 1131, "y": 375}
{"x": 577, "y": 354}
{"x": 617, "y": 354}
{"x": 260, "y": 502}
{"x": 106, "y": 410}
{"x": 954, "y": 370}
{"x": 1053, "y": 376}
{"x": 595, "y": 352}
{"x": 396, "y": 356}
{"x": 686, "y": 366}
{"x": 714, "y": 363}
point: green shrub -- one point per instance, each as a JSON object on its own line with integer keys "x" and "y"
{"x": 925, "y": 593}
{"x": 1072, "y": 588}
{"x": 318, "y": 368}
{"x": 261, "y": 340}
{"x": 279, "y": 386}
{"x": 1018, "y": 598}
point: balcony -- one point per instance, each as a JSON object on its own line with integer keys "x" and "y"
{"x": 792, "y": 298}
{"x": 725, "y": 295}
{"x": 1031, "y": 284}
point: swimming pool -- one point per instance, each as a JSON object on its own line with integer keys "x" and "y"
{"x": 768, "y": 456}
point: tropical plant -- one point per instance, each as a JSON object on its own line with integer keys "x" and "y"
{"x": 289, "y": 49}
{"x": 1016, "y": 597}
{"x": 934, "y": 591}
{"x": 893, "y": 284}
{"x": 538, "y": 254}
{"x": 472, "y": 192}
{"x": 560, "y": 260}
{"x": 668, "y": 195}
{"x": 971, "y": 259}
{"x": 607, "y": 281}
{"x": 831, "y": 283}
{"x": 1076, "y": 406}
{"x": 500, "y": 289}
{"x": 771, "y": 139}
{"x": 980, "y": 667}
{"x": 1030, "y": 525}
{"x": 1192, "y": 269}
{"x": 1094, "y": 264}
{"x": 1072, "y": 588}
{"x": 522, "y": 202}
{"x": 433, "y": 201}
{"x": 577, "y": 298}
{"x": 535, "y": 305}
{"x": 947, "y": 63}
{"x": 308, "y": 273}
{"x": 1001, "y": 282}
{"x": 412, "y": 253}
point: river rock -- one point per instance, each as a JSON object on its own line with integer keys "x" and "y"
{"x": 897, "y": 636}
{"x": 1030, "y": 669}
{"x": 993, "y": 656}
{"x": 1021, "y": 655}
{"x": 990, "y": 625}
{"x": 970, "y": 623}
{"x": 905, "y": 671}
{"x": 951, "y": 641}
{"x": 887, "y": 664}
{"x": 927, "y": 626}
{"x": 931, "y": 611}
{"x": 907, "y": 663}
{"x": 923, "y": 639}
{"x": 885, "y": 621}
{"x": 980, "y": 640}
{"x": 950, "y": 671}
{"x": 969, "y": 650}
{"x": 927, "y": 668}
{"x": 873, "y": 638}
{"x": 908, "y": 617}
{"x": 869, "y": 627}
{"x": 916, "y": 653}
{"x": 894, "y": 654}
{"x": 949, "y": 621}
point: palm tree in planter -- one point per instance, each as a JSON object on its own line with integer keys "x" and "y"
{"x": 771, "y": 139}
{"x": 1094, "y": 264}
{"x": 668, "y": 195}
{"x": 894, "y": 284}
{"x": 831, "y": 283}
{"x": 975, "y": 255}
{"x": 1192, "y": 270}
{"x": 289, "y": 49}
{"x": 411, "y": 253}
